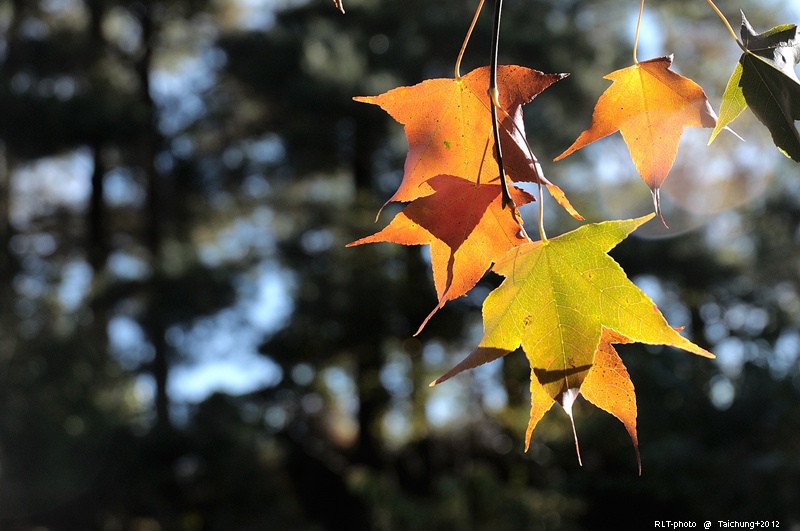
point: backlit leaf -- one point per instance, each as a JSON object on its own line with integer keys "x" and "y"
{"x": 448, "y": 125}
{"x": 649, "y": 105}
{"x": 564, "y": 300}
{"x": 451, "y": 177}
{"x": 765, "y": 80}
{"x": 733, "y": 102}
{"x": 466, "y": 227}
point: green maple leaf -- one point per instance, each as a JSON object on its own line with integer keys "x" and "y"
{"x": 564, "y": 300}
{"x": 764, "y": 79}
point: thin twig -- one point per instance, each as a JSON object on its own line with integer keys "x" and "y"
{"x": 466, "y": 39}
{"x": 542, "y": 234}
{"x": 494, "y": 96}
{"x": 539, "y": 177}
{"x": 727, "y": 25}
{"x": 636, "y": 37}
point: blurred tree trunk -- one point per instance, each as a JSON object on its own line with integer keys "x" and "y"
{"x": 372, "y": 402}
{"x": 366, "y": 142}
{"x": 98, "y": 239}
{"x": 8, "y": 260}
{"x": 372, "y": 397}
{"x": 153, "y": 226}
{"x": 8, "y": 264}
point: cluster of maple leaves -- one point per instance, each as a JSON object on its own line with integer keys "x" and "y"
{"x": 564, "y": 300}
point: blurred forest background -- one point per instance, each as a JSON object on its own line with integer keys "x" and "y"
{"x": 185, "y": 343}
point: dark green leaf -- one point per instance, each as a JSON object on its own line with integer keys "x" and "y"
{"x": 775, "y": 100}
{"x": 769, "y": 83}
{"x": 778, "y": 46}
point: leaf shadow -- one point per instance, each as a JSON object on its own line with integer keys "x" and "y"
{"x": 547, "y": 376}
{"x": 460, "y": 205}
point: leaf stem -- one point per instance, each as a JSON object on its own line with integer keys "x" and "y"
{"x": 466, "y": 39}
{"x": 539, "y": 177}
{"x": 727, "y": 25}
{"x": 494, "y": 96}
{"x": 636, "y": 37}
{"x": 542, "y": 234}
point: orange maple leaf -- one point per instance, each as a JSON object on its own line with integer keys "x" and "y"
{"x": 609, "y": 387}
{"x": 448, "y": 125}
{"x": 649, "y": 105}
{"x": 466, "y": 227}
{"x": 451, "y": 176}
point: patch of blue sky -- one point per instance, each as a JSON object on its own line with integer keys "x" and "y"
{"x": 220, "y": 352}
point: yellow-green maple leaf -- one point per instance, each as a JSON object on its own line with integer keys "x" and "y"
{"x": 563, "y": 300}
